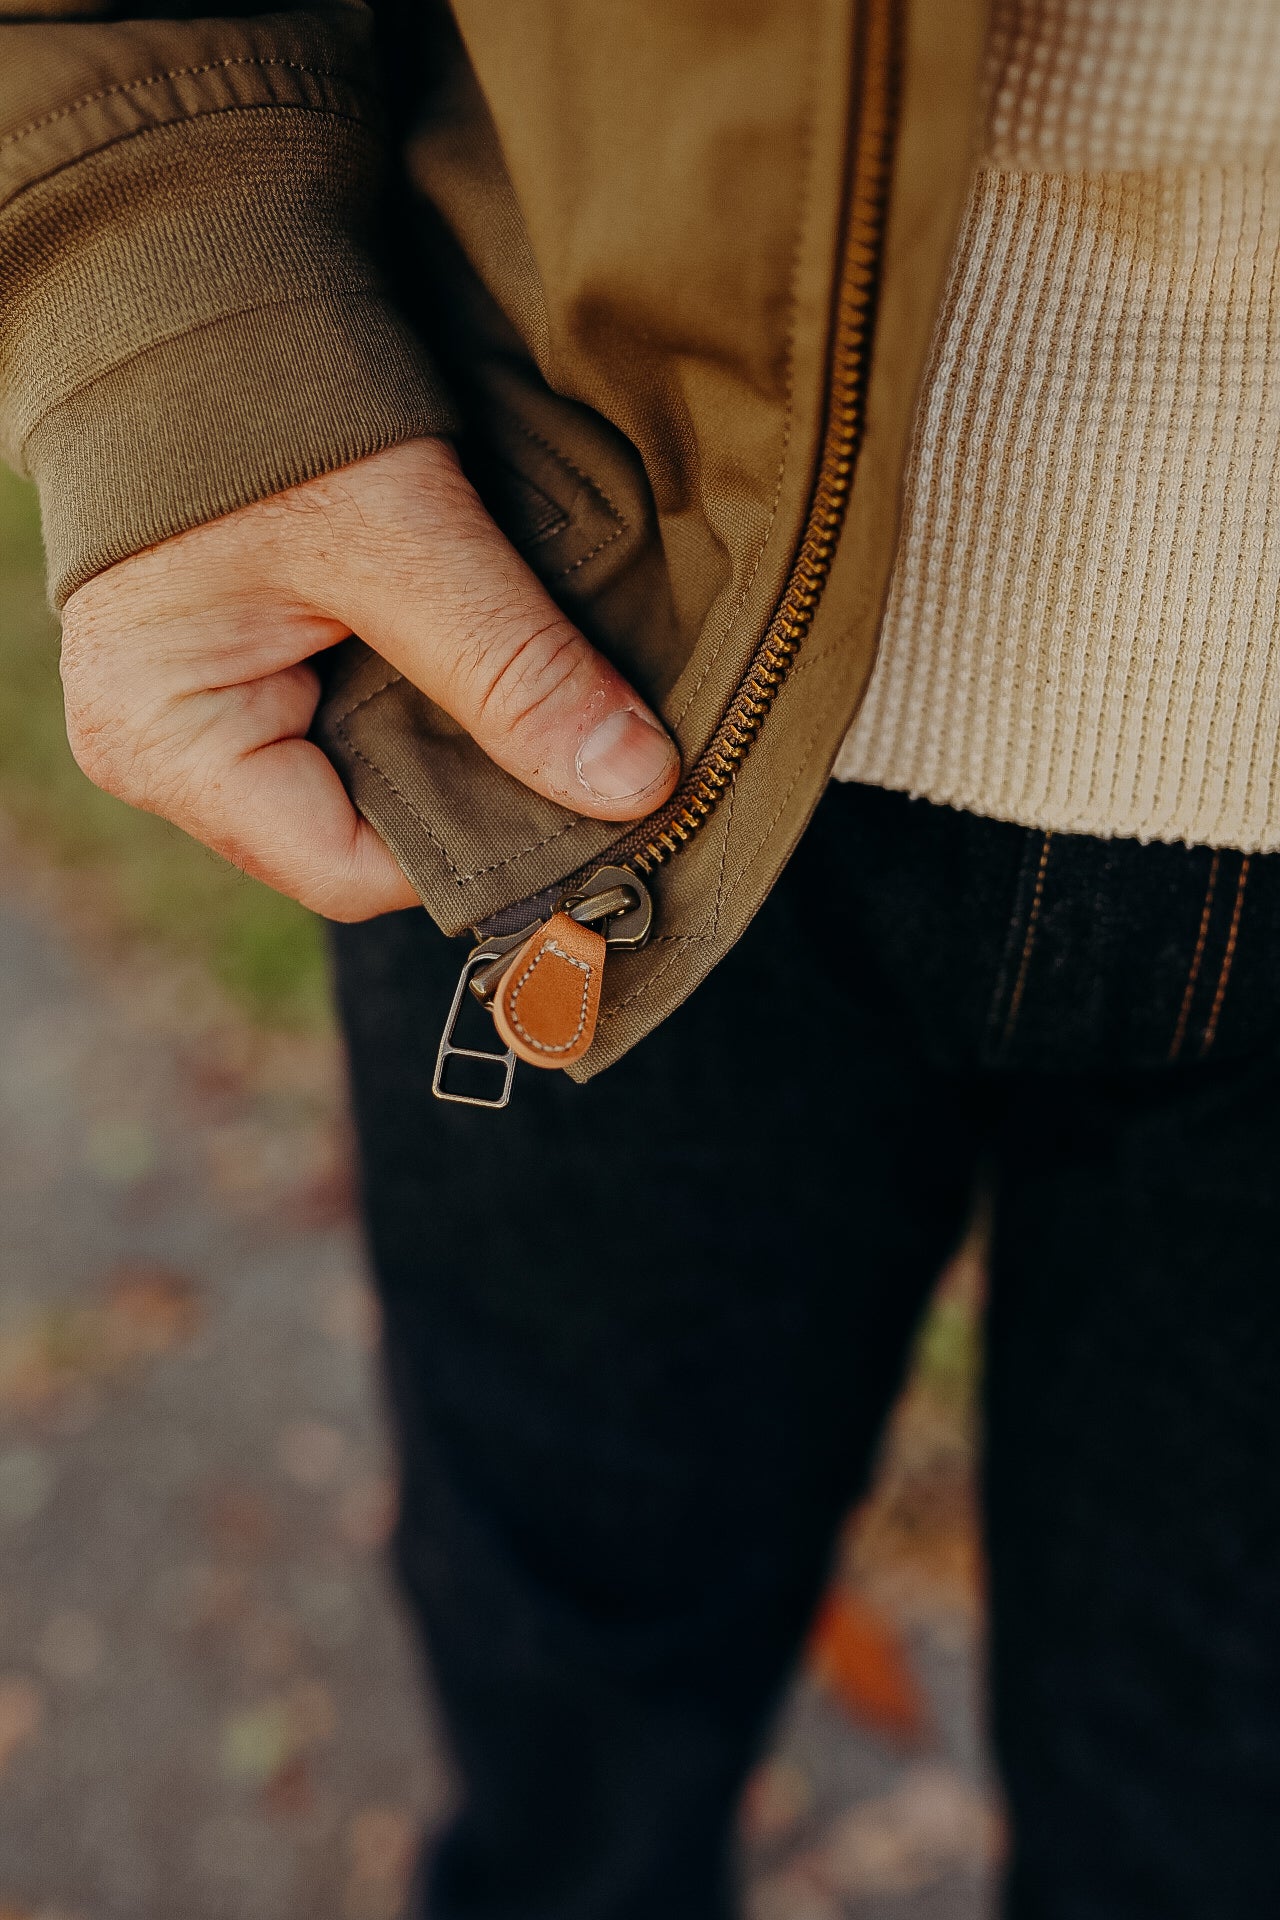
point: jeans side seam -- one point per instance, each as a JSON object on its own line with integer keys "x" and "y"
{"x": 1233, "y": 936}
{"x": 1030, "y": 932}
{"x": 1197, "y": 959}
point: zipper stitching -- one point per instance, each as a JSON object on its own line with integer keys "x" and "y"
{"x": 666, "y": 832}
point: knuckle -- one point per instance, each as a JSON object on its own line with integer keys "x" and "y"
{"x": 112, "y": 748}
{"x": 129, "y": 732}
{"x": 111, "y": 760}
{"x": 93, "y": 729}
{"x": 529, "y": 677}
{"x": 93, "y": 750}
{"x": 97, "y": 748}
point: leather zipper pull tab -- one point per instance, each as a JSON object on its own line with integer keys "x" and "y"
{"x": 546, "y": 1003}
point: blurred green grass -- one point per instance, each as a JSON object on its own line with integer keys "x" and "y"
{"x": 159, "y": 886}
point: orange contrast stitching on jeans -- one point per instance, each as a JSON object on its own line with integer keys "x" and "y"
{"x": 1211, "y": 1025}
{"x": 1197, "y": 958}
{"x": 1028, "y": 945}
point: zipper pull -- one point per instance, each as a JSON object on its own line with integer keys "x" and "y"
{"x": 542, "y": 983}
{"x": 548, "y": 994}
{"x": 479, "y": 958}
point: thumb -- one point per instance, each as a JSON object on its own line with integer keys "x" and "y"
{"x": 443, "y": 596}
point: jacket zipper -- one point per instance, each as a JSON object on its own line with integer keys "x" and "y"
{"x": 649, "y": 845}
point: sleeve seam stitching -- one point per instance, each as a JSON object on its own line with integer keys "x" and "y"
{"x": 156, "y": 79}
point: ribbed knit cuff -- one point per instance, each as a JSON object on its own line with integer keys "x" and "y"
{"x": 212, "y": 420}
{"x": 192, "y": 320}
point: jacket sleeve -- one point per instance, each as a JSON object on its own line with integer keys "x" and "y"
{"x": 191, "y": 316}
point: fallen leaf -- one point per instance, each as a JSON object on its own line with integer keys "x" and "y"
{"x": 858, "y": 1655}
{"x": 21, "y": 1712}
{"x": 150, "y": 1309}
{"x": 57, "y": 1353}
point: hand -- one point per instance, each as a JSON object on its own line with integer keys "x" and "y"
{"x": 189, "y": 690}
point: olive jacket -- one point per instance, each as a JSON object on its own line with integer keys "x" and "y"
{"x": 669, "y": 269}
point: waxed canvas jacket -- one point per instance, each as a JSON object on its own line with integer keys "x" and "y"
{"x": 669, "y": 269}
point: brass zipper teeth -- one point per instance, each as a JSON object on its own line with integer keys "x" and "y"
{"x": 657, "y": 839}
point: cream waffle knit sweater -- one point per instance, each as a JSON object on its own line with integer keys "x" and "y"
{"x": 1083, "y": 631}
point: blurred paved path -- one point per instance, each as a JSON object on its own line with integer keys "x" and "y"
{"x": 208, "y": 1710}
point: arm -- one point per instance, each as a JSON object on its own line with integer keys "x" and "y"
{"x": 235, "y": 440}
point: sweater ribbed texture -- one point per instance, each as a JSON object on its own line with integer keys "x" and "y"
{"x": 1082, "y": 632}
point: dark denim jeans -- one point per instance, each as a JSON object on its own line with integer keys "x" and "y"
{"x": 642, "y": 1337}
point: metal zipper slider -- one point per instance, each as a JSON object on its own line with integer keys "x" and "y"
{"x": 614, "y": 900}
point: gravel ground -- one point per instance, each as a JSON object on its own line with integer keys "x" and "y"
{"x": 208, "y": 1703}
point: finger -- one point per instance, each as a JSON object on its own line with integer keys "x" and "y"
{"x": 451, "y": 604}
{"x": 233, "y": 768}
{"x": 280, "y": 813}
